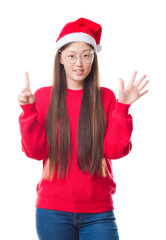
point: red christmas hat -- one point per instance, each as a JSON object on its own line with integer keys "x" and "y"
{"x": 81, "y": 30}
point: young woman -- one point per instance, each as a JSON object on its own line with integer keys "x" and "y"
{"x": 77, "y": 127}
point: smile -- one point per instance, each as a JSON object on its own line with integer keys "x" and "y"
{"x": 79, "y": 71}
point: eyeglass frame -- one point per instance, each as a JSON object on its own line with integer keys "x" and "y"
{"x": 77, "y": 57}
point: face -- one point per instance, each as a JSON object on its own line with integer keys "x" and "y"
{"x": 78, "y": 71}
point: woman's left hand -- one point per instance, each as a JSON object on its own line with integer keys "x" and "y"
{"x": 132, "y": 92}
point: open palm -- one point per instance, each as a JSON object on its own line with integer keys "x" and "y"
{"x": 132, "y": 92}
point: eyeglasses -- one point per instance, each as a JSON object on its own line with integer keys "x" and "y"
{"x": 71, "y": 58}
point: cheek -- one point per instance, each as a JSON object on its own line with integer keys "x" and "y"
{"x": 88, "y": 69}
{"x": 68, "y": 69}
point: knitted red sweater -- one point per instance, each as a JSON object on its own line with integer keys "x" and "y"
{"x": 78, "y": 193}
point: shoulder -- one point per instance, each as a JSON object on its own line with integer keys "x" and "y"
{"x": 107, "y": 94}
{"x": 42, "y": 97}
{"x": 108, "y": 99}
{"x": 43, "y": 91}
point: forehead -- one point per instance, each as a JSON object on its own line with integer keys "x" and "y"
{"x": 78, "y": 47}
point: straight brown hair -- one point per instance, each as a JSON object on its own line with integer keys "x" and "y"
{"x": 91, "y": 125}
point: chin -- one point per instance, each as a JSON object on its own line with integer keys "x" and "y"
{"x": 79, "y": 78}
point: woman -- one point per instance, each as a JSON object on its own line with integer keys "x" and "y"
{"x": 76, "y": 127}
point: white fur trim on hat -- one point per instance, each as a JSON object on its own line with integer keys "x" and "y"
{"x": 76, "y": 37}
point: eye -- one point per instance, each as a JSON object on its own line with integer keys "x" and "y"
{"x": 86, "y": 55}
{"x": 71, "y": 56}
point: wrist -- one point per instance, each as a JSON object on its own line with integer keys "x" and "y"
{"x": 123, "y": 102}
{"x": 30, "y": 107}
{"x": 122, "y": 109}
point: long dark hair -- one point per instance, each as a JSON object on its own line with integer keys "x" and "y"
{"x": 91, "y": 125}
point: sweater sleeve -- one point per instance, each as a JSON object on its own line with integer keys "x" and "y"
{"x": 33, "y": 136}
{"x": 117, "y": 143}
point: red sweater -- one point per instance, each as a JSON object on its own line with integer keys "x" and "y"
{"x": 78, "y": 192}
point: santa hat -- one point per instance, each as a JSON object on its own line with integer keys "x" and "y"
{"x": 81, "y": 30}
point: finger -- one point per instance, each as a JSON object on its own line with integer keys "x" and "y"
{"x": 27, "y": 83}
{"x": 133, "y": 78}
{"x": 140, "y": 81}
{"x": 22, "y": 99}
{"x": 25, "y": 89}
{"x": 121, "y": 83}
{"x": 25, "y": 93}
{"x": 143, "y": 85}
{"x": 143, "y": 93}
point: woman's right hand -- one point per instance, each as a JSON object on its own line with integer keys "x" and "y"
{"x": 26, "y": 96}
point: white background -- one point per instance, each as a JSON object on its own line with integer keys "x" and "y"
{"x": 133, "y": 38}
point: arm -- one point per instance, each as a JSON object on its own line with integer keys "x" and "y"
{"x": 117, "y": 143}
{"x": 33, "y": 136}
{"x": 117, "y": 139}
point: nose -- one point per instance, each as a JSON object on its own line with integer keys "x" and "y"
{"x": 78, "y": 61}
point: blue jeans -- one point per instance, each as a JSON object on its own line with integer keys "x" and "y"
{"x": 58, "y": 225}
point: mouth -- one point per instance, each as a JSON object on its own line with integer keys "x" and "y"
{"x": 79, "y": 71}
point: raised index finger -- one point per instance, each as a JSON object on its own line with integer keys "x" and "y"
{"x": 27, "y": 83}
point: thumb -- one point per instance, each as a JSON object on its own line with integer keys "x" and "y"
{"x": 121, "y": 83}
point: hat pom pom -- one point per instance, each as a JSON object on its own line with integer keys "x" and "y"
{"x": 99, "y": 47}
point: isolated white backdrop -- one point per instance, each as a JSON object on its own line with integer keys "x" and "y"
{"x": 133, "y": 38}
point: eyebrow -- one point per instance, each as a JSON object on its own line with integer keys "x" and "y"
{"x": 82, "y": 51}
